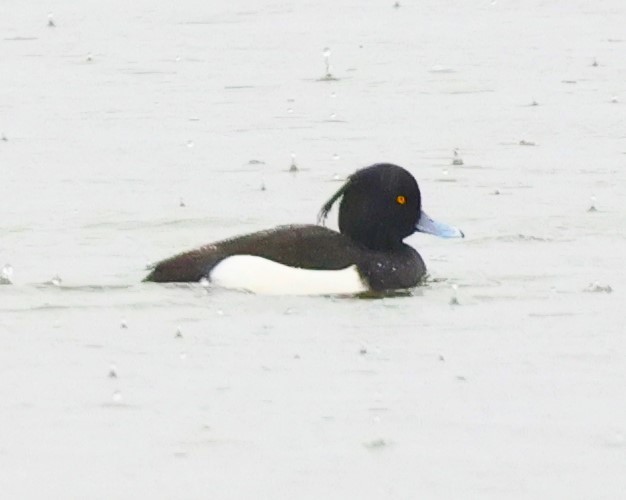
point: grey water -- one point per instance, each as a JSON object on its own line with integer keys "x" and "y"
{"x": 133, "y": 131}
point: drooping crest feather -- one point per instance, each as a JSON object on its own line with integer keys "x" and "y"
{"x": 321, "y": 217}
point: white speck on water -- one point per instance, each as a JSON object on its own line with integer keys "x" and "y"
{"x": 289, "y": 110}
{"x": 335, "y": 157}
{"x": 56, "y": 280}
{"x": 204, "y": 282}
{"x": 183, "y": 356}
{"x": 190, "y": 143}
{"x": 117, "y": 396}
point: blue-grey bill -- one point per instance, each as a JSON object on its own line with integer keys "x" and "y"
{"x": 429, "y": 225}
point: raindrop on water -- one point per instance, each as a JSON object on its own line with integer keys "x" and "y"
{"x": 5, "y": 274}
{"x": 454, "y": 300}
{"x": 328, "y": 76}
{"x": 293, "y": 167}
{"x": 592, "y": 208}
{"x": 457, "y": 160}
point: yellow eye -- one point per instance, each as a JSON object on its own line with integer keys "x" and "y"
{"x": 401, "y": 200}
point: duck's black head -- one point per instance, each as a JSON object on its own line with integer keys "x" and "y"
{"x": 380, "y": 206}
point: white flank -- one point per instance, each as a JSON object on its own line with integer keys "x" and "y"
{"x": 263, "y": 276}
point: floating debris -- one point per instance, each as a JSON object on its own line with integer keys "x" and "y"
{"x": 526, "y": 143}
{"x": 375, "y": 444}
{"x": 5, "y": 275}
{"x": 596, "y": 287}
{"x": 457, "y": 160}
{"x": 256, "y": 162}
